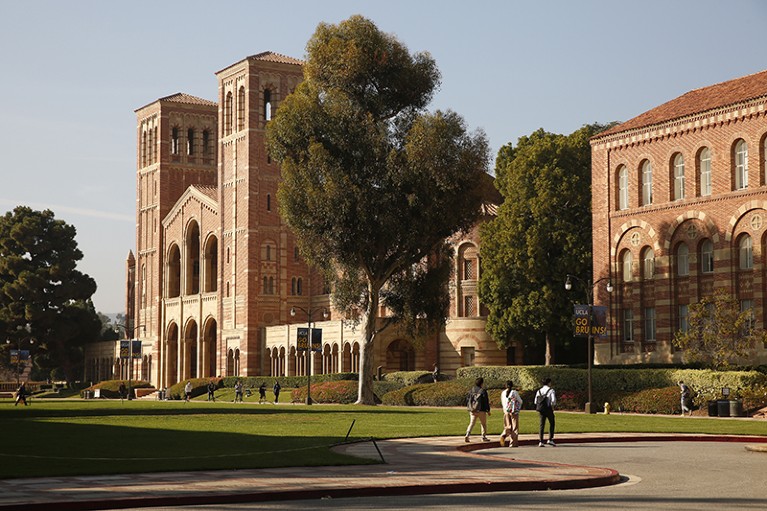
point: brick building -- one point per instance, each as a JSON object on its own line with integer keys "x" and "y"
{"x": 679, "y": 201}
{"x": 216, "y": 272}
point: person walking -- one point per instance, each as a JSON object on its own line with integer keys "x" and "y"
{"x": 121, "y": 390}
{"x": 478, "y": 404}
{"x": 262, "y": 393}
{"x": 545, "y": 400}
{"x": 188, "y": 391}
{"x": 511, "y": 404}
{"x": 21, "y": 395}
{"x": 237, "y": 391}
{"x": 686, "y": 398}
{"x": 435, "y": 373}
{"x": 276, "y": 390}
{"x": 212, "y": 391}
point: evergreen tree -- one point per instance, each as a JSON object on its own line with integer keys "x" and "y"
{"x": 372, "y": 185}
{"x": 42, "y": 294}
{"x": 542, "y": 233}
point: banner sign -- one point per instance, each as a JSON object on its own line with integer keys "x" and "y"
{"x": 598, "y": 320}
{"x": 302, "y": 339}
{"x": 126, "y": 351}
{"x": 19, "y": 356}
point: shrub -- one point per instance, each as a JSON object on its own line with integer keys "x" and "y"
{"x": 665, "y": 400}
{"x": 408, "y": 378}
{"x": 340, "y": 391}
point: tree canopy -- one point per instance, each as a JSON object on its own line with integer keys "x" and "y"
{"x": 719, "y": 334}
{"x": 372, "y": 184}
{"x": 42, "y": 294}
{"x": 542, "y": 233}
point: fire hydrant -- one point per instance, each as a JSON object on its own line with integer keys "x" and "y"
{"x": 607, "y": 408}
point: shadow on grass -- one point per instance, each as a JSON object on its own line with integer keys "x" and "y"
{"x": 40, "y": 448}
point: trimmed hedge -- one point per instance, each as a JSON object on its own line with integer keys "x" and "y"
{"x": 340, "y": 391}
{"x": 612, "y": 380}
{"x": 286, "y": 382}
{"x": 408, "y": 378}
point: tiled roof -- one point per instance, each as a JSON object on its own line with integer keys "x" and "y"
{"x": 210, "y": 191}
{"x": 270, "y": 56}
{"x": 188, "y": 99}
{"x": 699, "y": 100}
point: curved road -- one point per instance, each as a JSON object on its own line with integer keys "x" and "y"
{"x": 660, "y": 476}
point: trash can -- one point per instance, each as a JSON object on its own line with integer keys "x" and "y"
{"x": 736, "y": 408}
{"x": 712, "y": 409}
{"x": 723, "y": 408}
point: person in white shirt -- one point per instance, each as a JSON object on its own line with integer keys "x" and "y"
{"x": 545, "y": 401}
{"x": 511, "y": 404}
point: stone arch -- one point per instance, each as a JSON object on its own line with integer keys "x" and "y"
{"x": 173, "y": 271}
{"x": 209, "y": 347}
{"x": 713, "y": 232}
{"x": 171, "y": 354}
{"x": 190, "y": 350}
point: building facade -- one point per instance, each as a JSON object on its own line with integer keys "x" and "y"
{"x": 679, "y": 203}
{"x": 216, "y": 271}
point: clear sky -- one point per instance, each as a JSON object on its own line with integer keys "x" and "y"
{"x": 74, "y": 71}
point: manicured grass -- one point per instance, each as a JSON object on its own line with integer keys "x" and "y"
{"x": 68, "y": 437}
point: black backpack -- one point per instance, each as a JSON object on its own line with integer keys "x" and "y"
{"x": 544, "y": 405}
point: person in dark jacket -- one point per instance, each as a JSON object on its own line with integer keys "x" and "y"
{"x": 478, "y": 404}
{"x": 276, "y": 390}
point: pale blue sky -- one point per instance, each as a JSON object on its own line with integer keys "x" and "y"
{"x": 73, "y": 72}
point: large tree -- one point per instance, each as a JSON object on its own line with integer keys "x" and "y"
{"x": 372, "y": 184}
{"x": 42, "y": 294}
{"x": 542, "y": 233}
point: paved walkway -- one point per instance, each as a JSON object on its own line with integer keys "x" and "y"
{"x": 413, "y": 466}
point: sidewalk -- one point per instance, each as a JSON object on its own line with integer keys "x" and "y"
{"x": 413, "y": 466}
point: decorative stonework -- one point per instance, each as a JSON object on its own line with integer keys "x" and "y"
{"x": 692, "y": 232}
{"x": 756, "y": 222}
{"x": 636, "y": 238}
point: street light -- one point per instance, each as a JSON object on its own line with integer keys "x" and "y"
{"x": 130, "y": 351}
{"x": 309, "y": 313}
{"x": 589, "y": 288}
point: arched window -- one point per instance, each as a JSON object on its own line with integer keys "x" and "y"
{"x": 268, "y": 202}
{"x": 707, "y": 257}
{"x": 205, "y": 144}
{"x": 746, "y": 253}
{"x": 190, "y": 141}
{"x": 295, "y": 253}
{"x": 268, "y": 252}
{"x": 626, "y": 263}
{"x": 678, "y": 177}
{"x": 741, "y": 165}
{"x": 648, "y": 264}
{"x": 271, "y": 285}
{"x": 265, "y": 287}
{"x": 143, "y": 148}
{"x": 228, "y": 114}
{"x": 682, "y": 260}
{"x": 623, "y": 188}
{"x": 293, "y": 286}
{"x": 153, "y": 145}
{"x": 241, "y": 109}
{"x": 646, "y": 183}
{"x": 267, "y": 105}
{"x": 704, "y": 162}
{"x": 174, "y": 141}
{"x": 300, "y": 286}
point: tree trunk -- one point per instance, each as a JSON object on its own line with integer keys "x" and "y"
{"x": 549, "y": 351}
{"x": 365, "y": 394}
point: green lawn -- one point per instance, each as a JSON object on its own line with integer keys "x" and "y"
{"x": 68, "y": 437}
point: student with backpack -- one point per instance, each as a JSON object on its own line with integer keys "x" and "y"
{"x": 511, "y": 404}
{"x": 478, "y": 404}
{"x": 686, "y": 397}
{"x": 545, "y": 400}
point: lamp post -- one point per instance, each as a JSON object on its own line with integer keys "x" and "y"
{"x": 589, "y": 288}
{"x": 308, "y": 357}
{"x": 130, "y": 351}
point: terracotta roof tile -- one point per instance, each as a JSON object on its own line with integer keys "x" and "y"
{"x": 699, "y": 100}
{"x": 210, "y": 191}
{"x": 270, "y": 56}
{"x": 188, "y": 99}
